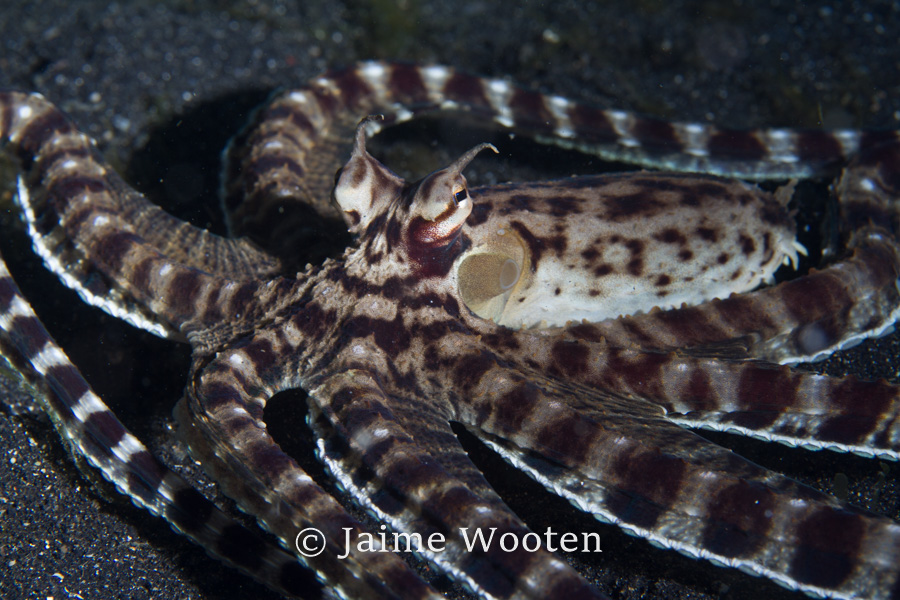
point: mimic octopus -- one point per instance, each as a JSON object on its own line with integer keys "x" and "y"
{"x": 577, "y": 327}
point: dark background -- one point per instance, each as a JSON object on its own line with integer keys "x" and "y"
{"x": 163, "y": 86}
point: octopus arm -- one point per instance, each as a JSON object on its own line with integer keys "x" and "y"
{"x": 799, "y": 409}
{"x": 96, "y": 435}
{"x": 775, "y": 402}
{"x": 388, "y": 462}
{"x": 223, "y": 419}
{"x": 103, "y": 239}
{"x": 659, "y": 481}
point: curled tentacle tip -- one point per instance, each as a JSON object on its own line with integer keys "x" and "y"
{"x": 463, "y": 161}
{"x": 363, "y": 126}
{"x": 370, "y": 119}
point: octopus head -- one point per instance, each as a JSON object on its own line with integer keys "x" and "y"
{"x": 438, "y": 205}
{"x": 421, "y": 219}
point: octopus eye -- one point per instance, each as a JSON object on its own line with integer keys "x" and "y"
{"x": 460, "y": 195}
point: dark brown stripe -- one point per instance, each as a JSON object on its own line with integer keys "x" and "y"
{"x": 829, "y": 542}
{"x": 8, "y": 292}
{"x": 343, "y": 400}
{"x": 384, "y": 498}
{"x": 112, "y": 249}
{"x": 212, "y": 310}
{"x": 567, "y": 439}
{"x": 810, "y": 297}
{"x": 262, "y": 354}
{"x": 406, "y": 83}
{"x": 870, "y": 398}
{"x": 182, "y": 292}
{"x": 633, "y": 206}
{"x": 145, "y": 476}
{"x": 872, "y": 143}
{"x": 656, "y": 136}
{"x": 766, "y": 389}
{"x": 530, "y": 113}
{"x": 846, "y": 429}
{"x": 242, "y": 547}
{"x": 818, "y": 147}
{"x": 106, "y": 430}
{"x": 380, "y": 451}
{"x": 640, "y": 374}
{"x": 312, "y": 320}
{"x": 466, "y": 90}
{"x": 354, "y": 91}
{"x": 241, "y": 299}
{"x": 67, "y": 382}
{"x": 743, "y": 315}
{"x": 29, "y": 336}
{"x": 586, "y": 331}
{"x": 570, "y": 358}
{"x": 140, "y": 274}
{"x": 281, "y": 134}
{"x": 470, "y": 368}
{"x": 862, "y": 404}
{"x": 511, "y": 409}
{"x": 736, "y": 145}
{"x": 501, "y": 572}
{"x": 215, "y": 395}
{"x": 299, "y": 581}
{"x": 633, "y": 329}
{"x": 752, "y": 419}
{"x": 263, "y": 458}
{"x": 689, "y": 326}
{"x": 391, "y": 336}
{"x": 699, "y": 394}
{"x": 592, "y": 125}
{"x": 191, "y": 511}
{"x": 63, "y": 189}
{"x": 739, "y": 519}
{"x": 362, "y": 475}
{"x": 647, "y": 484}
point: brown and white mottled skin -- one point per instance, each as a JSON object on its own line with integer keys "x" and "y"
{"x": 498, "y": 308}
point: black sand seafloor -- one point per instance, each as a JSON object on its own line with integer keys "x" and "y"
{"x": 162, "y": 87}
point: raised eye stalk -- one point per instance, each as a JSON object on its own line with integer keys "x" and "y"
{"x": 365, "y": 187}
{"x": 441, "y": 203}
